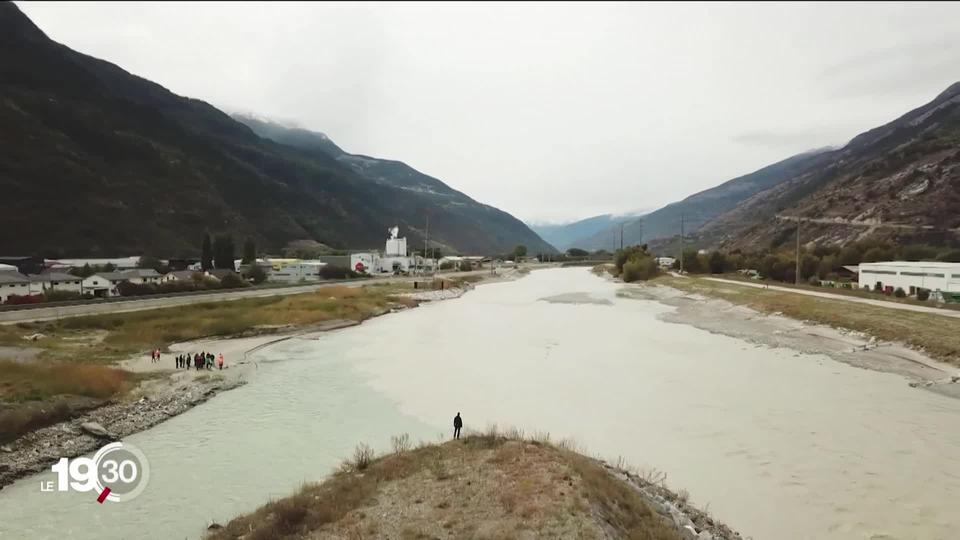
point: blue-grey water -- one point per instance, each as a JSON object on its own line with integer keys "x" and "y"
{"x": 778, "y": 444}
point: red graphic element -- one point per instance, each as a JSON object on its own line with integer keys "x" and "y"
{"x": 103, "y": 496}
{"x": 359, "y": 266}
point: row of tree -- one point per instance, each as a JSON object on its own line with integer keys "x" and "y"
{"x": 817, "y": 263}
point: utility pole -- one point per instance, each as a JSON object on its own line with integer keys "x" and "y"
{"x": 426, "y": 240}
{"x": 797, "y": 277}
{"x": 621, "y": 237}
{"x": 640, "y": 225}
{"x": 681, "y": 244}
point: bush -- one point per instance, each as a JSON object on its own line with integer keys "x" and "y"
{"x": 923, "y": 294}
{"x": 257, "y": 275}
{"x": 126, "y": 288}
{"x": 900, "y": 293}
{"x": 332, "y": 271}
{"x": 18, "y": 300}
{"x": 446, "y": 265}
{"x": 639, "y": 269}
{"x": 233, "y": 281}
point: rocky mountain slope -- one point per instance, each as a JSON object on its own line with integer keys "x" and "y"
{"x": 898, "y": 181}
{"x": 95, "y": 160}
{"x": 700, "y": 208}
{"x": 451, "y": 209}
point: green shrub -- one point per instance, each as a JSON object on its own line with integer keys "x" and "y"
{"x": 233, "y": 281}
{"x": 640, "y": 269}
{"x": 900, "y": 293}
{"x": 923, "y": 294}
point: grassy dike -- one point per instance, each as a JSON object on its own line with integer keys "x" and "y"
{"x": 936, "y": 335}
{"x": 74, "y": 367}
{"x": 487, "y": 485}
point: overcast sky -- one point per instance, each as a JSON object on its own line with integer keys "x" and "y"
{"x": 548, "y": 111}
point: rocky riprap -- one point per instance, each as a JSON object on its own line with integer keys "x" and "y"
{"x": 38, "y": 450}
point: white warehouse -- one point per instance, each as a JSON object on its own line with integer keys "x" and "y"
{"x": 910, "y": 276}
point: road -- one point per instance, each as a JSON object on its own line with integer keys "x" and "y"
{"x": 140, "y": 304}
{"x": 831, "y": 296}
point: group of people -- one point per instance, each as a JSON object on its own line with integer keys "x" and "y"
{"x": 200, "y": 360}
{"x": 155, "y": 356}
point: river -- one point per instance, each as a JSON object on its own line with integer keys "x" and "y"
{"x": 776, "y": 443}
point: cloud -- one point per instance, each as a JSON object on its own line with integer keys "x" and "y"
{"x": 904, "y": 69}
{"x": 805, "y": 138}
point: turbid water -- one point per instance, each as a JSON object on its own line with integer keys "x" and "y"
{"x": 778, "y": 444}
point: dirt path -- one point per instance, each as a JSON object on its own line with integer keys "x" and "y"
{"x": 831, "y": 296}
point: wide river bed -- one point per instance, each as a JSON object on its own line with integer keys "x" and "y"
{"x": 778, "y": 444}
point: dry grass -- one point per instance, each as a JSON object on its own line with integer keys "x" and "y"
{"x": 34, "y": 396}
{"x": 513, "y": 485}
{"x": 128, "y": 333}
{"x": 935, "y": 334}
{"x": 33, "y": 381}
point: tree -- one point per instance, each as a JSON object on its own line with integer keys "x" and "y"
{"x": 223, "y": 252}
{"x": 206, "y": 253}
{"x": 717, "y": 263}
{"x": 84, "y": 272}
{"x": 257, "y": 275}
{"x": 877, "y": 254}
{"x": 249, "y": 251}
{"x": 109, "y": 267}
{"x": 850, "y": 255}
{"x": 577, "y": 252}
{"x": 148, "y": 261}
{"x": 639, "y": 268}
{"x": 519, "y": 251}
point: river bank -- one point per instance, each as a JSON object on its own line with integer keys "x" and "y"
{"x": 851, "y": 347}
{"x": 167, "y": 392}
{"x": 488, "y": 485}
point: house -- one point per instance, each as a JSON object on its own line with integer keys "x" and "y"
{"x": 298, "y": 271}
{"x": 13, "y": 284}
{"x": 910, "y": 276}
{"x": 143, "y": 275}
{"x": 105, "y": 283}
{"x": 184, "y": 275}
{"x": 55, "y": 281}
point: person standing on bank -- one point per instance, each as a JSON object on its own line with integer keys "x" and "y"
{"x": 457, "y": 424}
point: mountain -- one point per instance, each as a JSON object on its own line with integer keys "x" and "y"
{"x": 578, "y": 233}
{"x": 900, "y": 181}
{"x": 699, "y": 208}
{"x": 97, "y": 161}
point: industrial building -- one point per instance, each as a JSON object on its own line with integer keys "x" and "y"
{"x": 910, "y": 276}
